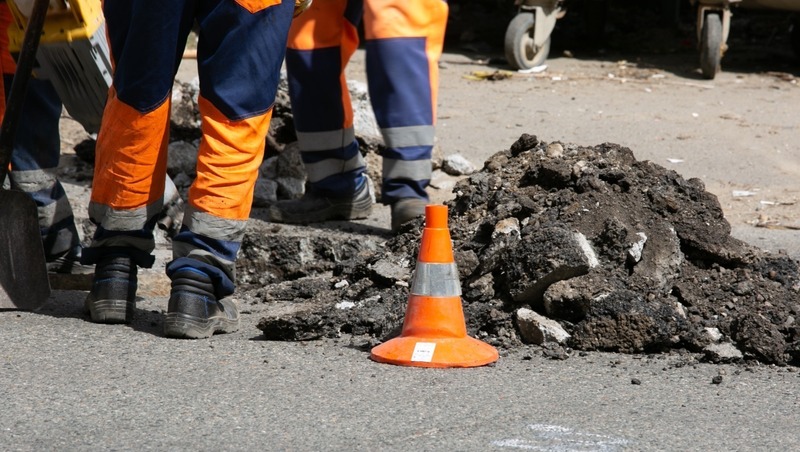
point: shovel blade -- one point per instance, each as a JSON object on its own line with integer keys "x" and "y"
{"x": 23, "y": 271}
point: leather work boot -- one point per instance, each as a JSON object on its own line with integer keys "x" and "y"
{"x": 407, "y": 209}
{"x": 69, "y": 263}
{"x": 313, "y": 208}
{"x": 194, "y": 311}
{"x": 112, "y": 298}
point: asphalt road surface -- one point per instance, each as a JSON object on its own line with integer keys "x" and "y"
{"x": 69, "y": 384}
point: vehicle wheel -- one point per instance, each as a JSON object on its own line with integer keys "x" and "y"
{"x": 521, "y": 51}
{"x": 711, "y": 46}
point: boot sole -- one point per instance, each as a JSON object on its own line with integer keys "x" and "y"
{"x": 110, "y": 311}
{"x": 330, "y": 214}
{"x": 183, "y": 326}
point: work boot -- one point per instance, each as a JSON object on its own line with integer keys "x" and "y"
{"x": 407, "y": 209}
{"x": 194, "y": 311}
{"x": 113, "y": 295}
{"x": 314, "y": 208}
{"x": 69, "y": 263}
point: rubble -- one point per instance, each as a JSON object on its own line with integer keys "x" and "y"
{"x": 623, "y": 255}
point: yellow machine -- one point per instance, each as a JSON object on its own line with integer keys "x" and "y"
{"x": 73, "y": 54}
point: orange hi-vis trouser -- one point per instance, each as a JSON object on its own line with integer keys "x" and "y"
{"x": 241, "y": 49}
{"x": 7, "y": 63}
{"x": 403, "y": 43}
{"x": 36, "y": 152}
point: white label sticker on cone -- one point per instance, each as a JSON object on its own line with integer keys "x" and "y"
{"x": 423, "y": 351}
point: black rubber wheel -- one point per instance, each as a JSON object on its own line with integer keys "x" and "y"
{"x": 521, "y": 53}
{"x": 711, "y": 46}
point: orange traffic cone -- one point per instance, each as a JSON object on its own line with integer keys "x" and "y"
{"x": 434, "y": 332}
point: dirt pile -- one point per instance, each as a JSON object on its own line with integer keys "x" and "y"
{"x": 623, "y": 255}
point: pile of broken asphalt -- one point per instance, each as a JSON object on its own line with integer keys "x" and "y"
{"x": 570, "y": 247}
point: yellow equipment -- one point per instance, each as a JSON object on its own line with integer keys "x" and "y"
{"x": 73, "y": 54}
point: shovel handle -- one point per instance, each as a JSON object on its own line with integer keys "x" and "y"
{"x": 16, "y": 96}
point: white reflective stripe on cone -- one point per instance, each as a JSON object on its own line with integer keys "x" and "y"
{"x": 436, "y": 280}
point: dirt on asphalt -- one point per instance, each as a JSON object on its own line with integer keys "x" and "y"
{"x": 621, "y": 252}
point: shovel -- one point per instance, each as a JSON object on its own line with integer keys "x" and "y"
{"x": 23, "y": 271}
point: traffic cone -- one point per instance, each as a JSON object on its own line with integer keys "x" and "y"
{"x": 434, "y": 331}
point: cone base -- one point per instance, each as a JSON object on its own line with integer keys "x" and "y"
{"x": 447, "y": 352}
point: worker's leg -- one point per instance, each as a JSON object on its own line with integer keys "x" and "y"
{"x": 35, "y": 158}
{"x": 34, "y": 167}
{"x": 147, "y": 39}
{"x": 321, "y": 42}
{"x": 403, "y": 41}
{"x": 238, "y": 85}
